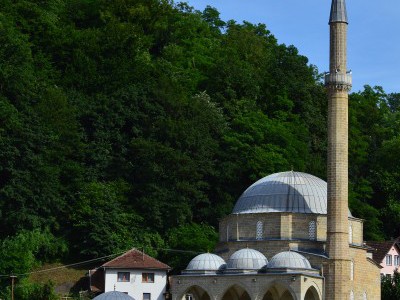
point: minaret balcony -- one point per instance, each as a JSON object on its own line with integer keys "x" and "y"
{"x": 339, "y": 80}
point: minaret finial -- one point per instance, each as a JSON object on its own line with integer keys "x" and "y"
{"x": 338, "y": 12}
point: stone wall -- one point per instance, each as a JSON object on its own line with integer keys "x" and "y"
{"x": 255, "y": 285}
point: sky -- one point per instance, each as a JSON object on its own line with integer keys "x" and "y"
{"x": 373, "y": 33}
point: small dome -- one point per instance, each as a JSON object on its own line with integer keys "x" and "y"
{"x": 114, "y": 295}
{"x": 247, "y": 259}
{"x": 206, "y": 262}
{"x": 289, "y": 260}
{"x": 295, "y": 192}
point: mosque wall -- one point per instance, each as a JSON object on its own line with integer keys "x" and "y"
{"x": 286, "y": 226}
{"x": 255, "y": 285}
{"x": 366, "y": 276}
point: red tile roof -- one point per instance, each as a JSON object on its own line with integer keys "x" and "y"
{"x": 135, "y": 259}
{"x": 381, "y": 249}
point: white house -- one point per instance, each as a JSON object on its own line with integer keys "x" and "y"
{"x": 134, "y": 273}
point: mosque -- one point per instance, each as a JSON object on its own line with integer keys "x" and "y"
{"x": 291, "y": 235}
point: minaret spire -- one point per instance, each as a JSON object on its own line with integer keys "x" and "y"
{"x": 338, "y": 83}
{"x": 338, "y": 12}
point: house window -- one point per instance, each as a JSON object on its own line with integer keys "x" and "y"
{"x": 311, "y": 230}
{"x": 388, "y": 260}
{"x": 396, "y": 260}
{"x": 227, "y": 232}
{"x": 350, "y": 234}
{"x": 352, "y": 270}
{"x": 259, "y": 230}
{"x": 146, "y": 296}
{"x": 123, "y": 276}
{"x": 148, "y": 277}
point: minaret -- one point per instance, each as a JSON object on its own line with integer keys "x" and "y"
{"x": 338, "y": 83}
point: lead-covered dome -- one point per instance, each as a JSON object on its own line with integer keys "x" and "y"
{"x": 114, "y": 295}
{"x": 205, "y": 262}
{"x": 295, "y": 192}
{"x": 288, "y": 260}
{"x": 247, "y": 259}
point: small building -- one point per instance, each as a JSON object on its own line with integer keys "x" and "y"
{"x": 387, "y": 255}
{"x": 134, "y": 273}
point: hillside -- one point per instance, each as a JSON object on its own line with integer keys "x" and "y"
{"x": 139, "y": 123}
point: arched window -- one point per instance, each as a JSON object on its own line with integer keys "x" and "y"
{"x": 365, "y": 296}
{"x": 259, "y": 230}
{"x": 352, "y": 270}
{"x": 350, "y": 234}
{"x": 312, "y": 230}
{"x": 351, "y": 295}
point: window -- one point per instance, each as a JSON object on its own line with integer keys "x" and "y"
{"x": 188, "y": 297}
{"x": 146, "y": 296}
{"x": 123, "y": 276}
{"x": 227, "y": 232}
{"x": 352, "y": 270}
{"x": 148, "y": 277}
{"x": 311, "y": 230}
{"x": 259, "y": 230}
{"x": 350, "y": 234}
{"x": 396, "y": 260}
{"x": 388, "y": 260}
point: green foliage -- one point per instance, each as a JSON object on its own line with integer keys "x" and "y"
{"x": 390, "y": 287}
{"x": 102, "y": 221}
{"x": 25, "y": 290}
{"x": 192, "y": 239}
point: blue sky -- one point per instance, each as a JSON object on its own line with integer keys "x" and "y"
{"x": 373, "y": 36}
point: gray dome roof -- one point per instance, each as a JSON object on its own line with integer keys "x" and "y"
{"x": 114, "y": 295}
{"x": 289, "y": 260}
{"x": 247, "y": 259}
{"x": 206, "y": 262}
{"x": 295, "y": 192}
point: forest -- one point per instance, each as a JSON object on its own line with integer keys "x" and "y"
{"x": 138, "y": 123}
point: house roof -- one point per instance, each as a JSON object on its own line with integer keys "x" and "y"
{"x": 97, "y": 283}
{"x": 381, "y": 249}
{"x": 135, "y": 259}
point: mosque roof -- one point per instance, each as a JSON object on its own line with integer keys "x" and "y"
{"x": 289, "y": 260}
{"x": 338, "y": 12}
{"x": 247, "y": 259}
{"x": 290, "y": 191}
{"x": 114, "y": 295}
{"x": 206, "y": 262}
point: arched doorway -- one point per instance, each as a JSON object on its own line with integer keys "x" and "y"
{"x": 278, "y": 292}
{"x": 311, "y": 294}
{"x": 236, "y": 293}
{"x": 195, "y": 293}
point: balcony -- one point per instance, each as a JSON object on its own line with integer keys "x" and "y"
{"x": 338, "y": 80}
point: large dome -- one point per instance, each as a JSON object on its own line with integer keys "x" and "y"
{"x": 295, "y": 192}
